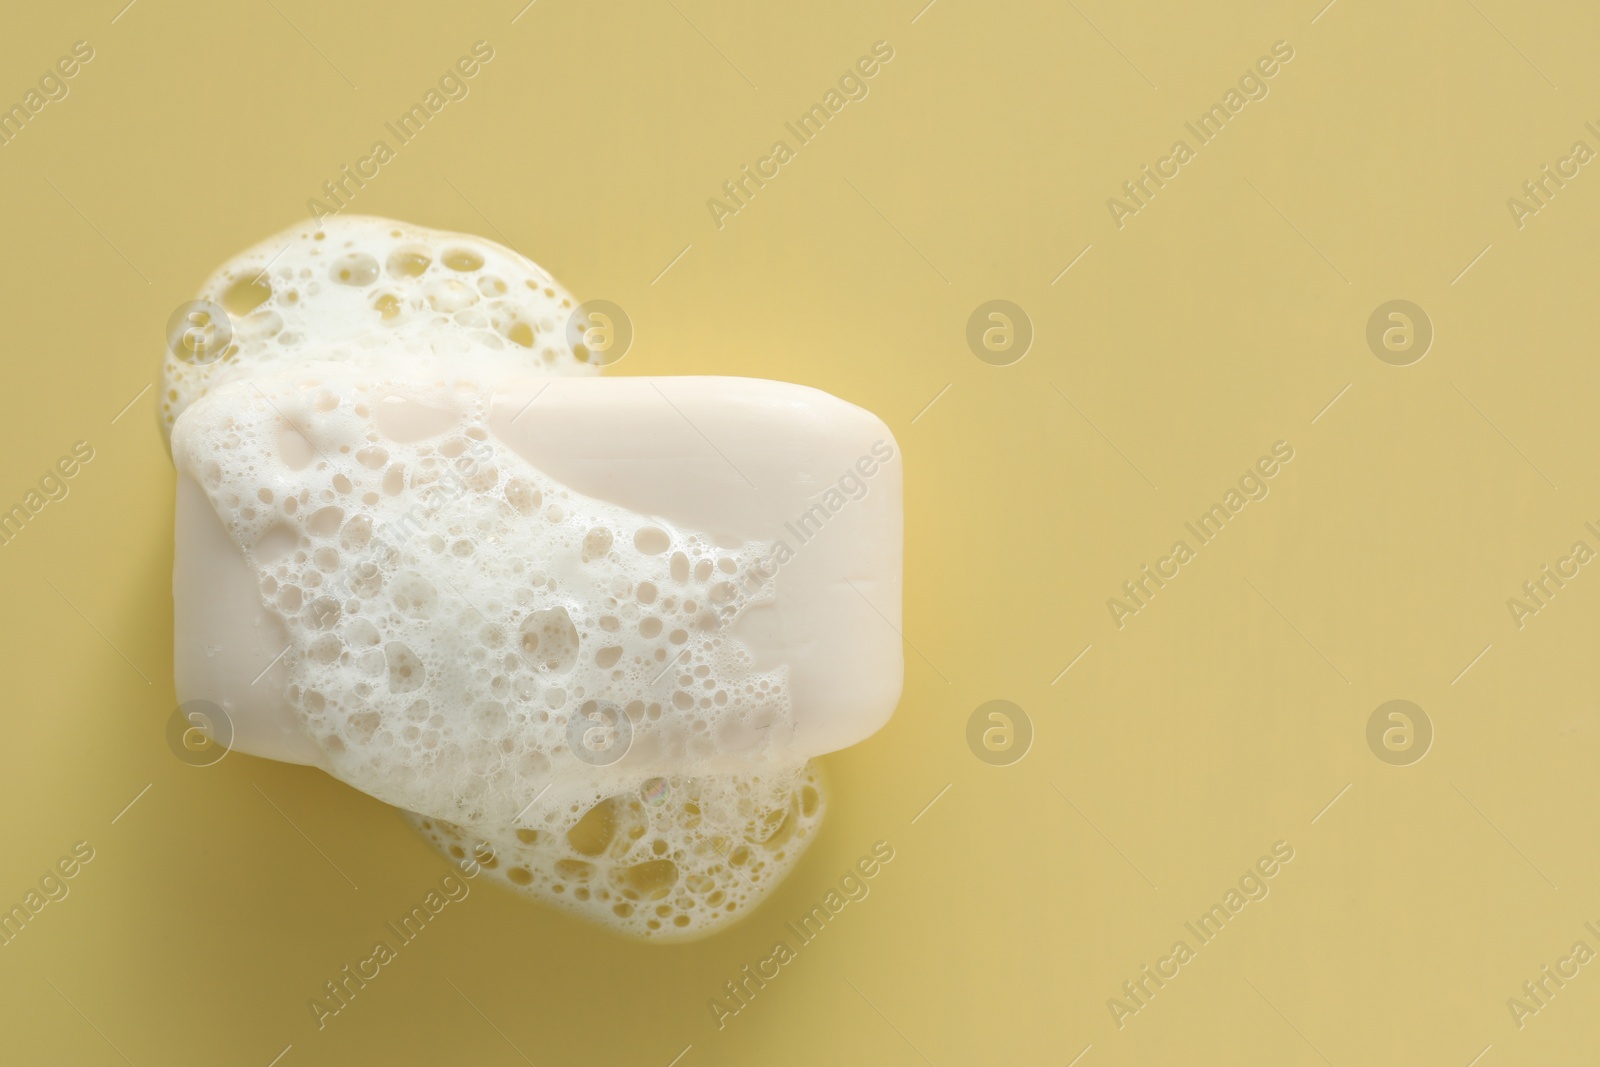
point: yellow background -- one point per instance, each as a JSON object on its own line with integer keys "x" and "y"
{"x": 1222, "y": 318}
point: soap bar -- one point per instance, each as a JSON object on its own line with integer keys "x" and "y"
{"x": 590, "y": 629}
{"x": 815, "y": 479}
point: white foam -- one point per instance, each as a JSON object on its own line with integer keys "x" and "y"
{"x": 357, "y": 284}
{"x": 465, "y": 633}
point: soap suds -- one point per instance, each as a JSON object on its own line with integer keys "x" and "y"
{"x": 471, "y": 640}
{"x": 356, "y": 285}
{"x": 673, "y": 857}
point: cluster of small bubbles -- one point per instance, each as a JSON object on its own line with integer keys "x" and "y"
{"x": 670, "y": 859}
{"x": 352, "y": 284}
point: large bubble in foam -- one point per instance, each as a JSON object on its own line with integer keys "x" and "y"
{"x": 518, "y": 664}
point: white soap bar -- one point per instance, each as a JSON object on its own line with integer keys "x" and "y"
{"x": 738, "y": 459}
{"x": 590, "y": 629}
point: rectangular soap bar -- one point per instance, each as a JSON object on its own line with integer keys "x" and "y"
{"x": 597, "y": 627}
{"x": 812, "y": 479}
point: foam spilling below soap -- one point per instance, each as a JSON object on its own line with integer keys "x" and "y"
{"x": 517, "y": 663}
{"x": 676, "y": 857}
